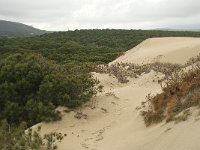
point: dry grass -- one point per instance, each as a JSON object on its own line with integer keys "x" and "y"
{"x": 183, "y": 117}
{"x": 181, "y": 90}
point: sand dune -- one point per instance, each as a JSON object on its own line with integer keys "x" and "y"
{"x": 169, "y": 49}
{"x": 112, "y": 121}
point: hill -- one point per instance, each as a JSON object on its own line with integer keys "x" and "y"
{"x": 178, "y": 29}
{"x": 113, "y": 121}
{"x": 99, "y": 46}
{"x": 40, "y": 73}
{"x": 14, "y": 29}
{"x": 164, "y": 50}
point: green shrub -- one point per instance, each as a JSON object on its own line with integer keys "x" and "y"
{"x": 15, "y": 138}
{"x": 31, "y": 87}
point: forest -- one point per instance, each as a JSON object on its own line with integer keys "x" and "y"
{"x": 81, "y": 46}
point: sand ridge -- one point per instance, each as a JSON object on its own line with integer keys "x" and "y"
{"x": 167, "y": 49}
{"x": 114, "y": 123}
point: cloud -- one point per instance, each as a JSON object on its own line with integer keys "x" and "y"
{"x": 61, "y": 14}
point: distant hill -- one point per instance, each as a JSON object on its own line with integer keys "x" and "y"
{"x": 14, "y": 29}
{"x": 174, "y": 29}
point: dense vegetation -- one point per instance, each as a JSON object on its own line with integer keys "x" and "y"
{"x": 31, "y": 87}
{"x": 80, "y": 46}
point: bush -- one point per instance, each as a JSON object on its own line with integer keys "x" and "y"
{"x": 31, "y": 87}
{"x": 124, "y": 70}
{"x": 181, "y": 91}
{"x": 14, "y": 138}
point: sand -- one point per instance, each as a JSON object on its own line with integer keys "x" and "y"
{"x": 112, "y": 121}
{"x": 168, "y": 49}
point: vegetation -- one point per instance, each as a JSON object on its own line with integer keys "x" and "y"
{"x": 81, "y": 46}
{"x": 179, "y": 92}
{"x": 124, "y": 70}
{"x": 39, "y": 73}
{"x": 14, "y": 138}
{"x": 31, "y": 87}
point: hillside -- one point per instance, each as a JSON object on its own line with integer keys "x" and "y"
{"x": 93, "y": 46}
{"x": 113, "y": 121}
{"x": 165, "y": 49}
{"x": 14, "y": 29}
{"x": 42, "y": 75}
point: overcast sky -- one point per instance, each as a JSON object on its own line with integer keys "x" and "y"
{"x": 125, "y": 14}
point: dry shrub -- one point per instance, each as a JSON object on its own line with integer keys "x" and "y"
{"x": 180, "y": 91}
{"x": 180, "y": 87}
{"x": 183, "y": 117}
{"x": 193, "y": 60}
{"x": 151, "y": 117}
{"x": 124, "y": 70}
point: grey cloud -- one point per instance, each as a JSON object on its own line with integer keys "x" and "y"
{"x": 58, "y": 14}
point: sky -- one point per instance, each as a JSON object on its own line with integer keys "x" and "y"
{"x": 62, "y": 15}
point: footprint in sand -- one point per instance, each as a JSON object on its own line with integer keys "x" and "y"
{"x": 84, "y": 145}
{"x": 96, "y": 137}
{"x": 88, "y": 146}
{"x": 99, "y": 134}
{"x": 88, "y": 139}
{"x": 99, "y": 138}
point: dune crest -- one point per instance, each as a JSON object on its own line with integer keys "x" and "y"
{"x": 111, "y": 120}
{"x": 167, "y": 49}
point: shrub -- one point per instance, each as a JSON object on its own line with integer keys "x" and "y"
{"x": 14, "y": 138}
{"x": 124, "y": 70}
{"x": 181, "y": 91}
{"x": 31, "y": 87}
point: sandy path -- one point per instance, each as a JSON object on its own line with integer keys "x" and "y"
{"x": 114, "y": 112}
{"x": 113, "y": 123}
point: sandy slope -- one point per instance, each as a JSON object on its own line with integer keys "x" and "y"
{"x": 112, "y": 121}
{"x": 169, "y": 49}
